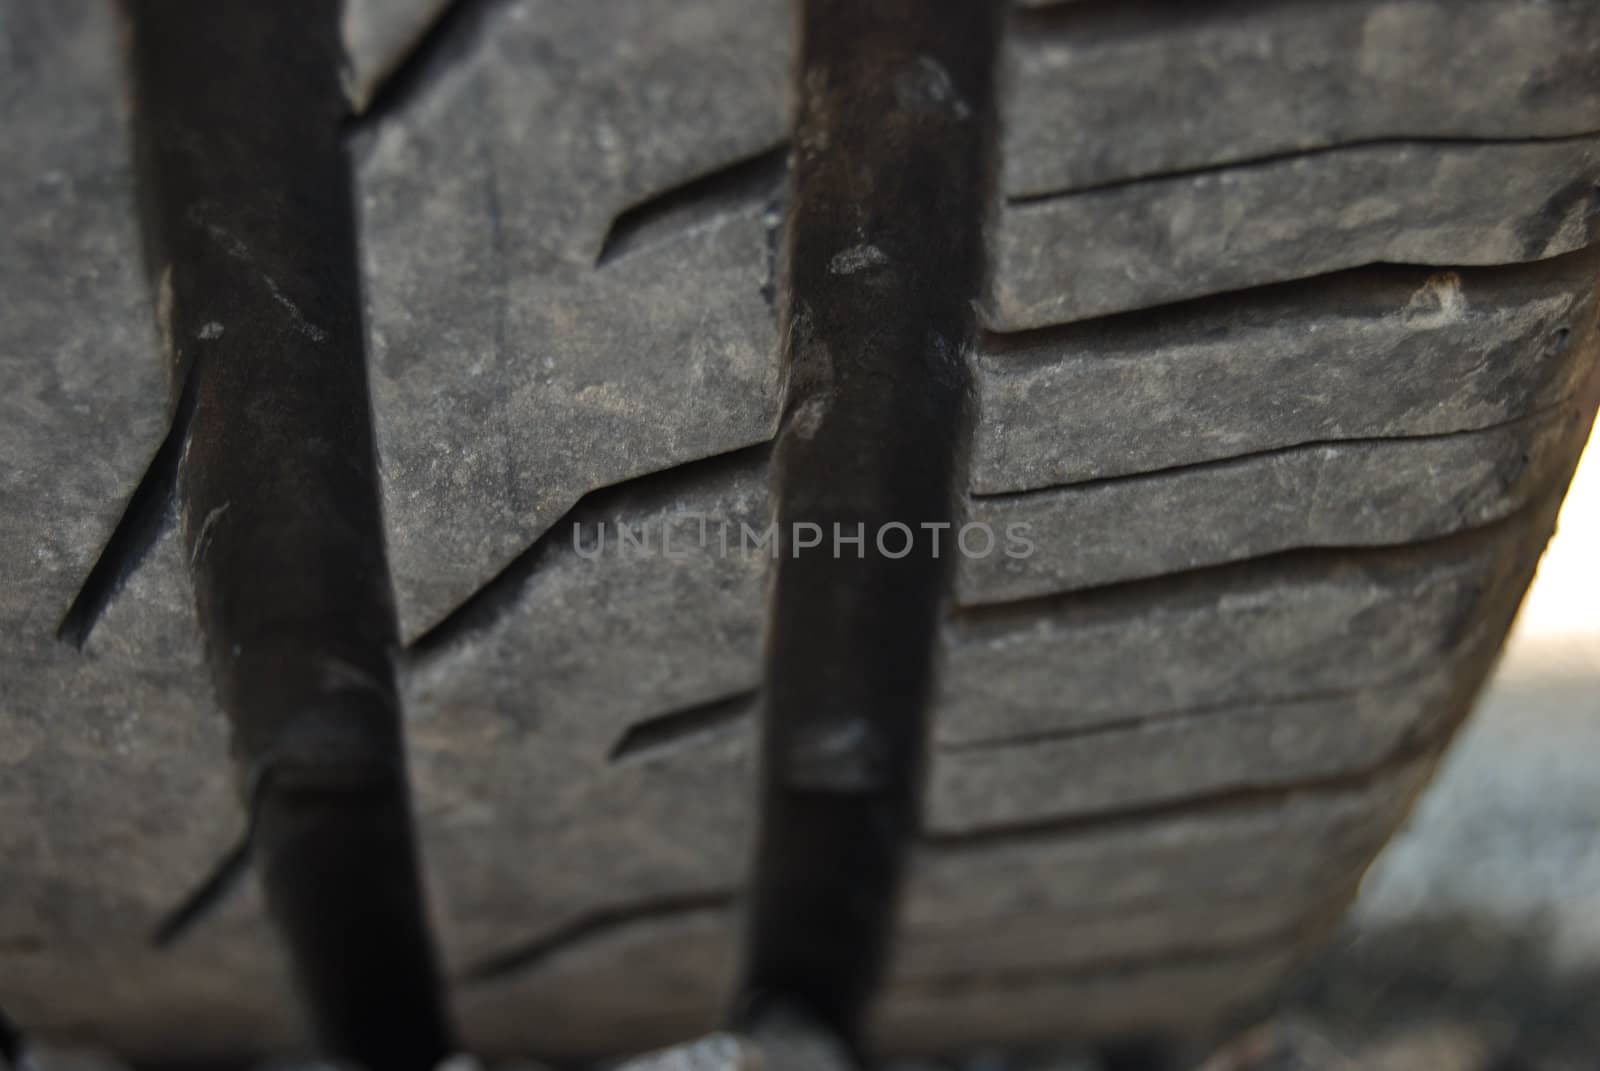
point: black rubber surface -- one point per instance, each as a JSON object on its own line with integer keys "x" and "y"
{"x": 1284, "y": 502}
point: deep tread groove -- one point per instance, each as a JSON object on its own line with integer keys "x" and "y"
{"x": 643, "y": 738}
{"x": 12, "y": 1041}
{"x": 884, "y": 258}
{"x": 206, "y": 897}
{"x": 681, "y": 208}
{"x": 151, "y": 511}
{"x": 500, "y": 596}
{"x": 529, "y": 954}
{"x": 248, "y": 216}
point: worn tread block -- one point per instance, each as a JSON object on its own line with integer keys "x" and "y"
{"x": 512, "y": 719}
{"x": 663, "y": 980}
{"x": 1169, "y": 761}
{"x": 1453, "y": 351}
{"x": 510, "y": 374}
{"x": 1040, "y": 940}
{"x": 1104, "y": 772}
{"x": 661, "y": 977}
{"x": 117, "y": 798}
{"x": 934, "y": 1017}
{"x": 497, "y": 727}
{"x": 1140, "y": 886}
{"x": 1114, "y": 249}
{"x": 1106, "y": 92}
{"x": 1368, "y": 492}
{"x": 1291, "y": 839}
{"x": 651, "y": 983}
{"x": 667, "y": 980}
{"x": 1271, "y": 630}
{"x": 85, "y": 401}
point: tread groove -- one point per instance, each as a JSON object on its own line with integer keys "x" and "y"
{"x": 1422, "y": 748}
{"x": 979, "y": 745}
{"x": 530, "y": 954}
{"x": 1147, "y": 589}
{"x": 1002, "y": 348}
{"x": 208, "y": 895}
{"x": 150, "y": 511}
{"x": 1268, "y": 159}
{"x": 253, "y": 229}
{"x": 1535, "y": 416}
{"x": 664, "y": 731}
{"x": 500, "y": 596}
{"x": 684, "y": 207}
{"x": 884, "y": 264}
{"x": 13, "y": 1043}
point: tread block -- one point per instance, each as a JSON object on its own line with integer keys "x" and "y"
{"x": 512, "y": 719}
{"x": 481, "y": 739}
{"x": 945, "y": 1015}
{"x": 1293, "y": 840}
{"x": 1369, "y": 492}
{"x": 650, "y": 983}
{"x": 661, "y": 982}
{"x": 1071, "y": 941}
{"x": 1454, "y": 351}
{"x": 1167, "y": 761}
{"x": 118, "y": 797}
{"x": 667, "y": 985}
{"x": 1145, "y": 885}
{"x": 510, "y": 374}
{"x": 84, "y": 405}
{"x": 658, "y": 978}
{"x": 1074, "y": 256}
{"x": 1106, "y": 92}
{"x": 1298, "y": 625}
